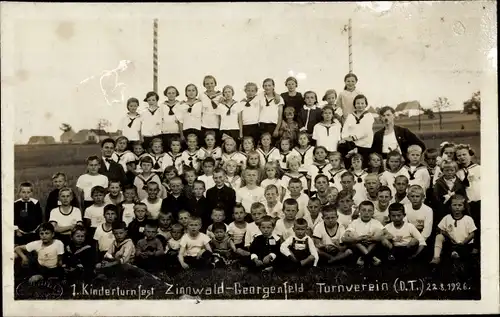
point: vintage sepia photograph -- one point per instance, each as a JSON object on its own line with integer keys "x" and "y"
{"x": 208, "y": 153}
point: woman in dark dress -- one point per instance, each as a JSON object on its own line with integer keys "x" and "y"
{"x": 292, "y": 98}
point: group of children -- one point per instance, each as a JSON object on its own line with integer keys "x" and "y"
{"x": 273, "y": 182}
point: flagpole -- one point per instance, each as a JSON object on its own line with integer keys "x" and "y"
{"x": 349, "y": 41}
{"x": 155, "y": 55}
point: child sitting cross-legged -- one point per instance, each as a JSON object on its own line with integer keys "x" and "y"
{"x": 49, "y": 253}
{"x": 79, "y": 257}
{"x": 149, "y": 250}
{"x": 265, "y": 248}
{"x": 222, "y": 245}
{"x": 364, "y": 233}
{"x": 327, "y": 237}
{"x": 401, "y": 237}
{"x": 299, "y": 249}
{"x": 104, "y": 232}
{"x": 173, "y": 246}
{"x": 195, "y": 251}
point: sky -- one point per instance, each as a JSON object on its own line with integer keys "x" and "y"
{"x": 55, "y": 55}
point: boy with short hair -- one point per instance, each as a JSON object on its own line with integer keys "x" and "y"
{"x": 104, "y": 231}
{"x": 257, "y": 211}
{"x": 195, "y": 248}
{"x": 164, "y": 227}
{"x": 217, "y": 217}
{"x": 370, "y": 191}
{"x": 198, "y": 204}
{"x": 28, "y": 215}
{"x": 381, "y": 212}
{"x": 328, "y": 237}
{"x": 94, "y": 214}
{"x": 265, "y": 248}
{"x": 221, "y": 194}
{"x": 208, "y": 173}
{"x": 173, "y": 246}
{"x": 153, "y": 202}
{"x": 419, "y": 175}
{"x": 115, "y": 195}
{"x": 364, "y": 233}
{"x": 176, "y": 201}
{"x": 417, "y": 213}
{"x": 295, "y": 191}
{"x": 299, "y": 248}
{"x": 401, "y": 237}
{"x": 430, "y": 158}
{"x": 446, "y": 186}
{"x": 136, "y": 227}
{"x": 284, "y": 227}
{"x": 126, "y": 207}
{"x": 49, "y": 254}
{"x": 184, "y": 217}
{"x": 222, "y": 245}
{"x": 89, "y": 180}
{"x": 313, "y": 215}
{"x": 58, "y": 181}
{"x": 401, "y": 184}
{"x": 149, "y": 250}
{"x": 189, "y": 177}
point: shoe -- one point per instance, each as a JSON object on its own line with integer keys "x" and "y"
{"x": 454, "y": 255}
{"x": 435, "y": 261}
{"x": 391, "y": 257}
{"x": 376, "y": 261}
{"x": 360, "y": 261}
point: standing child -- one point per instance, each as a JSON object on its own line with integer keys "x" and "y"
{"x": 284, "y": 227}
{"x": 149, "y": 250}
{"x": 195, "y": 248}
{"x": 251, "y": 192}
{"x": 292, "y": 98}
{"x": 171, "y": 173}
{"x": 136, "y": 226}
{"x": 358, "y": 129}
{"x": 198, "y": 205}
{"x": 232, "y": 178}
{"x": 237, "y": 230}
{"x": 430, "y": 159}
{"x": 334, "y": 174}
{"x": 299, "y": 248}
{"x": 345, "y": 206}
{"x": 230, "y": 112}
{"x": 114, "y": 195}
{"x": 346, "y": 97}
{"x": 152, "y": 201}
{"x": 229, "y": 153}
{"x": 310, "y": 114}
{"x": 394, "y": 168}
{"x": 250, "y": 113}
{"x": 273, "y": 177}
{"x": 126, "y": 207}
{"x": 375, "y": 164}
{"x": 189, "y": 178}
{"x": 210, "y": 150}
{"x": 417, "y": 213}
{"x": 208, "y": 173}
{"x": 184, "y": 217}
{"x": 122, "y": 155}
{"x": 258, "y": 211}
{"x": 364, "y": 234}
{"x": 171, "y": 116}
{"x": 419, "y": 175}
{"x": 293, "y": 172}
{"x": 172, "y": 157}
{"x": 400, "y": 186}
{"x": 164, "y": 227}
{"x": 65, "y": 217}
{"x": 157, "y": 155}
{"x": 457, "y": 231}
{"x": 319, "y": 167}
{"x": 328, "y": 238}
{"x": 330, "y": 98}
{"x": 271, "y": 110}
{"x": 210, "y": 119}
{"x": 130, "y": 126}
{"x": 381, "y": 206}
{"x": 401, "y": 237}
{"x": 267, "y": 152}
{"x": 221, "y": 244}
{"x": 221, "y": 195}
{"x": 254, "y": 161}
{"x": 265, "y": 248}
{"x": 248, "y": 145}
{"x": 176, "y": 201}
{"x": 321, "y": 185}
{"x": 138, "y": 150}
{"x": 289, "y": 127}
{"x": 358, "y": 172}
{"x": 28, "y": 215}
{"x": 369, "y": 191}
{"x": 94, "y": 215}
{"x": 446, "y": 186}
{"x": 191, "y": 156}
{"x": 59, "y": 181}
{"x": 447, "y": 152}
{"x": 142, "y": 179}
{"x": 285, "y": 148}
{"x": 104, "y": 231}
{"x": 304, "y": 151}
{"x": 296, "y": 192}
{"x": 327, "y": 132}
{"x": 313, "y": 215}
{"x": 151, "y": 120}
{"x": 191, "y": 111}
{"x": 89, "y": 180}
{"x": 49, "y": 253}
{"x": 273, "y": 206}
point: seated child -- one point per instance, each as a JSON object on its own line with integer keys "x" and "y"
{"x": 457, "y": 231}
{"x": 195, "y": 248}
{"x": 27, "y": 215}
{"x": 401, "y": 237}
{"x": 120, "y": 255}
{"x": 59, "y": 181}
{"x": 273, "y": 206}
{"x": 184, "y": 216}
{"x": 198, "y": 204}
{"x": 295, "y": 191}
{"x": 152, "y": 201}
{"x": 149, "y": 250}
{"x": 65, "y": 217}
{"x": 104, "y": 232}
{"x": 237, "y": 230}
{"x": 401, "y": 184}
{"x": 284, "y": 227}
{"x": 173, "y": 246}
{"x": 114, "y": 195}
{"x": 345, "y": 206}
{"x": 49, "y": 253}
{"x": 164, "y": 227}
{"x": 94, "y": 214}
{"x": 364, "y": 233}
{"x": 136, "y": 227}
{"x": 446, "y": 186}
{"x": 126, "y": 207}
{"x": 417, "y": 213}
{"x": 221, "y": 244}
{"x": 299, "y": 249}
{"x": 327, "y": 237}
{"x": 313, "y": 216}
{"x": 257, "y": 211}
{"x": 265, "y": 248}
{"x": 381, "y": 212}
{"x": 218, "y": 215}
{"x": 79, "y": 258}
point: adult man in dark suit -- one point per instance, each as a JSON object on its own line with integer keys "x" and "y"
{"x": 110, "y": 168}
{"x": 392, "y": 137}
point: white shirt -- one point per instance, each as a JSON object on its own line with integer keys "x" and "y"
{"x": 281, "y": 230}
{"x": 95, "y": 214}
{"x": 251, "y": 232}
{"x": 250, "y": 115}
{"x": 237, "y": 234}
{"x": 190, "y": 159}
{"x": 153, "y": 208}
{"x": 344, "y": 220}
{"x": 128, "y": 213}
{"x": 209, "y": 117}
{"x": 371, "y": 228}
{"x": 151, "y": 122}
{"x": 473, "y": 191}
{"x": 381, "y": 215}
{"x": 302, "y": 200}
{"x": 108, "y": 200}
{"x": 422, "y": 218}
{"x": 362, "y": 131}
{"x": 191, "y": 120}
{"x": 359, "y": 186}
{"x": 420, "y": 175}
{"x": 229, "y": 121}
{"x": 46, "y": 254}
{"x": 306, "y": 157}
{"x": 403, "y": 235}
{"x": 387, "y": 178}
{"x": 315, "y": 170}
{"x": 327, "y": 135}
{"x": 234, "y": 182}
{"x": 247, "y": 197}
{"x": 269, "y": 109}
{"x": 132, "y": 133}
{"x": 313, "y": 223}
{"x": 285, "y": 179}
{"x": 285, "y": 247}
{"x": 272, "y": 156}
{"x": 65, "y": 220}
{"x": 390, "y": 143}
{"x": 345, "y": 100}
{"x": 276, "y": 182}
{"x": 238, "y": 157}
{"x": 141, "y": 183}
{"x": 171, "y": 160}
{"x": 458, "y": 229}
{"x": 86, "y": 182}
{"x": 216, "y": 153}
{"x": 173, "y": 244}
{"x": 321, "y": 233}
{"x": 123, "y": 158}
{"x": 170, "y": 123}
{"x": 104, "y": 238}
{"x": 276, "y": 211}
{"x": 208, "y": 180}
{"x": 194, "y": 245}
{"x": 334, "y": 177}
